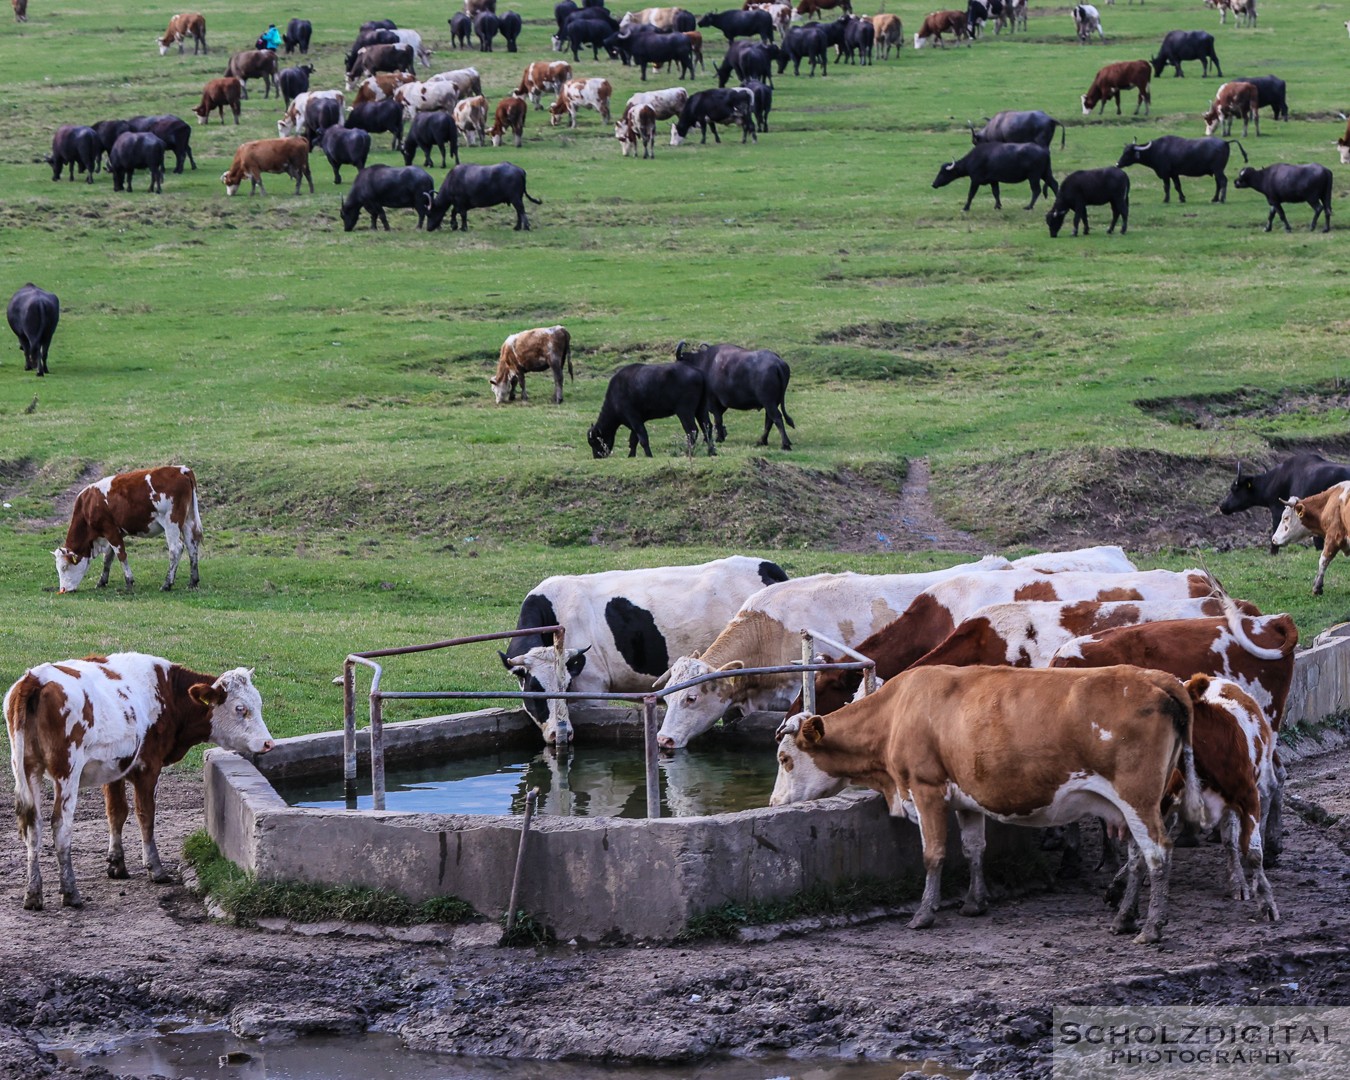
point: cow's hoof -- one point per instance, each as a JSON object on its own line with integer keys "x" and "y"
{"x": 32, "y": 901}
{"x": 71, "y": 900}
{"x": 117, "y": 870}
{"x": 970, "y": 909}
{"x": 166, "y": 587}
{"x": 163, "y": 877}
{"x": 1123, "y": 925}
{"x": 1150, "y": 935}
{"x": 922, "y": 920}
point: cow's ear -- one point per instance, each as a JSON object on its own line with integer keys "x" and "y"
{"x": 812, "y": 731}
{"x": 206, "y": 694}
{"x": 732, "y": 665}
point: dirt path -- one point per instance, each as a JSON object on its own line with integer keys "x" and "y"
{"x": 918, "y": 524}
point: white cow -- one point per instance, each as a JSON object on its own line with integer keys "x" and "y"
{"x": 471, "y": 118}
{"x": 664, "y": 103}
{"x": 466, "y": 80}
{"x": 418, "y": 97}
{"x": 1086, "y": 19}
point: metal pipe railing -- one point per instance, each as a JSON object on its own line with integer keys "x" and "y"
{"x": 812, "y": 638}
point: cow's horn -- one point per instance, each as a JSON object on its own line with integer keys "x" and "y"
{"x": 1290, "y": 501}
{"x": 679, "y": 350}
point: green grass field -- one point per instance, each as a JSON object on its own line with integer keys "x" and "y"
{"x": 359, "y": 487}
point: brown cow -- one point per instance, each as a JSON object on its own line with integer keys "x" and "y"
{"x": 1112, "y": 79}
{"x": 1232, "y": 100}
{"x": 510, "y": 117}
{"x": 473, "y": 7}
{"x": 252, "y": 159}
{"x": 216, "y": 95}
{"x": 255, "y": 64}
{"x": 942, "y": 22}
{"x": 540, "y": 77}
{"x": 545, "y": 349}
{"x": 1343, "y": 144}
{"x": 807, "y": 8}
{"x": 20, "y": 10}
{"x": 471, "y": 119}
{"x": 380, "y": 86}
{"x": 181, "y": 27}
{"x": 661, "y": 18}
{"x": 1327, "y": 515}
{"x": 890, "y": 34}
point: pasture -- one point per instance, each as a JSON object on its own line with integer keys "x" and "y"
{"x": 359, "y": 487}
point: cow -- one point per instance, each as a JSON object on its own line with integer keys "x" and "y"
{"x": 377, "y": 116}
{"x": 461, "y": 30}
{"x": 977, "y": 14}
{"x": 1024, "y": 747}
{"x": 1086, "y": 20}
{"x": 431, "y": 129}
{"x": 104, "y": 720}
{"x": 807, "y": 8}
{"x": 942, "y": 22}
{"x": 640, "y": 392}
{"x": 1232, "y": 100}
{"x": 748, "y": 60}
{"x": 708, "y": 108}
{"x": 510, "y": 116}
{"x": 471, "y": 118}
{"x": 376, "y": 58}
{"x": 294, "y": 81}
{"x": 472, "y": 7}
{"x": 321, "y": 113}
{"x": 1272, "y": 91}
{"x": 255, "y": 64}
{"x": 749, "y": 379}
{"x": 296, "y": 118}
{"x": 381, "y": 86}
{"x": 1017, "y": 13}
{"x": 382, "y": 24}
{"x": 297, "y": 35}
{"x": 1303, "y": 474}
{"x": 668, "y": 18}
{"x": 540, "y": 77}
{"x": 137, "y": 150}
{"x": 544, "y": 349}
{"x": 761, "y": 95}
{"x": 563, "y": 11}
{"x": 1172, "y": 157}
{"x": 442, "y": 95}
{"x": 581, "y": 30}
{"x": 33, "y": 314}
{"x": 780, "y": 13}
{"x": 1281, "y": 183}
{"x": 638, "y": 124}
{"x": 510, "y": 27}
{"x": 664, "y": 103}
{"x": 1111, "y": 80}
{"x": 1001, "y": 163}
{"x": 107, "y": 132}
{"x": 578, "y": 94}
{"x": 890, "y": 34}
{"x": 475, "y": 187}
{"x": 145, "y": 502}
{"x": 413, "y": 40}
{"x": 1091, "y": 187}
{"x": 74, "y": 145}
{"x": 346, "y": 146}
{"x": 622, "y": 628}
{"x": 1019, "y": 127}
{"x": 805, "y": 43}
{"x": 1180, "y": 45}
{"x": 1244, "y": 11}
{"x": 734, "y": 24}
{"x": 1323, "y": 515}
{"x": 859, "y": 40}
{"x": 380, "y": 186}
{"x": 366, "y": 38}
{"x": 661, "y": 49}
{"x": 252, "y": 159}
{"x": 181, "y": 27}
{"x": 485, "y": 28}
{"x": 20, "y": 10}
{"x": 173, "y": 132}
{"x": 218, "y": 94}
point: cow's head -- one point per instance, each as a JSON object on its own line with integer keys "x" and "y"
{"x": 70, "y": 568}
{"x": 1242, "y": 495}
{"x": 1291, "y": 528}
{"x": 163, "y": 49}
{"x": 600, "y": 446}
{"x": 236, "y": 712}
{"x": 231, "y": 183}
{"x": 799, "y": 778}
{"x": 203, "y": 113}
{"x": 1158, "y": 64}
{"x": 1212, "y": 120}
{"x": 1055, "y": 219}
{"x": 1087, "y": 109}
{"x": 695, "y": 709}
{"x": 501, "y": 388}
{"x": 1245, "y": 177}
{"x": 436, "y": 207}
{"x": 1130, "y": 154}
{"x": 675, "y": 137}
{"x": 543, "y": 671}
{"x": 947, "y": 174}
{"x": 350, "y": 213}
{"x": 919, "y": 41}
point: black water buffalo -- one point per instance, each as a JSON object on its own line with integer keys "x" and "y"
{"x": 641, "y": 392}
{"x": 737, "y": 378}
{"x": 1295, "y": 477}
{"x": 708, "y": 108}
{"x": 1001, "y": 163}
{"x": 33, "y": 315}
{"x": 1271, "y": 92}
{"x": 859, "y": 40}
{"x": 1019, "y": 127}
{"x": 345, "y": 146}
{"x": 137, "y": 150}
{"x": 1281, "y": 183}
{"x": 1091, "y": 187}
{"x": 564, "y": 11}
{"x": 297, "y": 36}
{"x": 1172, "y": 157}
{"x": 475, "y": 187}
{"x": 763, "y": 98}
{"x": 379, "y": 186}
{"x": 374, "y": 59}
{"x": 510, "y": 25}
{"x": 734, "y": 24}
{"x": 485, "y": 27}
{"x": 749, "y": 60}
{"x": 379, "y": 36}
{"x": 377, "y": 116}
{"x": 660, "y": 48}
{"x": 174, "y": 133}
{"x": 581, "y": 31}
{"x": 320, "y": 115}
{"x": 107, "y": 131}
{"x": 294, "y": 81}
{"x": 805, "y": 43}
{"x": 430, "y": 129}
{"x": 1179, "y": 45}
{"x": 75, "y": 145}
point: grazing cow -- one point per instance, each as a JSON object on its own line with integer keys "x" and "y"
{"x": 181, "y": 27}
{"x": 295, "y": 119}
{"x": 749, "y": 379}
{"x": 75, "y": 145}
{"x": 807, "y": 8}
{"x": 137, "y": 150}
{"x": 1244, "y": 11}
{"x": 748, "y": 60}
{"x": 297, "y": 35}
{"x": 1233, "y": 99}
{"x": 1272, "y": 92}
{"x": 476, "y": 187}
{"x": 1180, "y": 45}
{"x": 366, "y": 38}
{"x": 146, "y": 502}
{"x": 413, "y": 40}
{"x": 939, "y": 23}
{"x": 1282, "y": 183}
{"x": 1172, "y": 157}
{"x": 1024, "y": 747}
{"x": 545, "y": 349}
{"x": 1001, "y": 163}
{"x": 660, "y": 49}
{"x": 107, "y": 132}
{"x": 859, "y": 40}
{"x": 345, "y": 146}
{"x": 217, "y": 94}
{"x": 289, "y": 156}
{"x": 708, "y": 108}
{"x": 1019, "y": 127}
{"x": 581, "y": 94}
{"x": 465, "y": 80}
{"x": 638, "y": 123}
{"x": 255, "y": 64}
{"x": 1087, "y": 19}
{"x": 381, "y": 86}
{"x": 173, "y": 132}
{"x": 890, "y": 34}
{"x": 471, "y": 116}
{"x": 805, "y": 43}
{"x": 734, "y": 24}
{"x": 461, "y": 29}
{"x": 510, "y": 117}
{"x": 441, "y": 95}
{"x": 1091, "y": 187}
{"x": 540, "y": 77}
{"x": 379, "y": 186}
{"x": 377, "y": 116}
{"x": 510, "y": 26}
{"x": 376, "y": 58}
{"x": 294, "y": 81}
{"x": 1111, "y": 80}
{"x": 485, "y": 27}
{"x": 33, "y": 314}
{"x": 20, "y": 10}
{"x": 1303, "y": 474}
{"x": 640, "y": 392}
{"x": 623, "y": 626}
{"x": 1323, "y": 515}
{"x": 105, "y": 720}
{"x": 431, "y": 129}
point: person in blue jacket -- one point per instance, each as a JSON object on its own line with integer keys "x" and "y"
{"x": 271, "y": 38}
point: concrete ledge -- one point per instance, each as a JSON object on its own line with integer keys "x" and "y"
{"x": 1321, "y": 683}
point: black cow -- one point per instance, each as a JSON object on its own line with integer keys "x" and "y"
{"x": 137, "y": 150}
{"x": 107, "y": 132}
{"x": 368, "y": 37}
{"x": 377, "y": 24}
{"x": 734, "y": 24}
{"x": 708, "y": 108}
{"x": 1271, "y": 91}
{"x": 475, "y": 187}
{"x": 376, "y": 116}
{"x": 641, "y": 392}
{"x": 461, "y": 30}
{"x": 805, "y": 43}
{"x": 750, "y": 379}
{"x": 294, "y": 81}
{"x": 377, "y": 58}
{"x": 659, "y": 49}
{"x": 431, "y": 129}
{"x": 174, "y": 133}
{"x": 833, "y": 31}
{"x": 320, "y": 115}
{"x": 763, "y": 95}
{"x": 297, "y": 36}
{"x": 749, "y": 60}
{"x": 1011, "y": 126}
{"x": 1296, "y": 477}
{"x": 379, "y": 186}
{"x": 859, "y": 39}
{"x": 1281, "y": 183}
{"x": 1179, "y": 45}
{"x": 1091, "y": 187}
{"x": 1172, "y": 157}
{"x": 75, "y": 145}
{"x": 564, "y": 11}
{"x": 977, "y": 14}
{"x": 510, "y": 26}
{"x": 485, "y": 26}
{"x": 581, "y": 31}
{"x": 33, "y": 315}
{"x": 345, "y": 146}
{"x": 1001, "y": 163}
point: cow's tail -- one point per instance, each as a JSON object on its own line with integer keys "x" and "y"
{"x": 1192, "y": 805}
{"x": 20, "y": 704}
{"x": 1238, "y": 144}
{"x": 1063, "y": 133}
{"x": 782, "y": 403}
{"x": 196, "y": 511}
{"x": 537, "y": 202}
{"x": 1239, "y": 632}
{"x": 567, "y": 356}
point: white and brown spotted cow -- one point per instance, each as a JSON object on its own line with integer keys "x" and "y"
{"x": 190, "y": 24}
{"x": 103, "y": 721}
{"x": 544, "y": 349}
{"x": 380, "y": 86}
{"x": 540, "y": 77}
{"x": 581, "y": 94}
{"x": 415, "y": 97}
{"x": 252, "y": 159}
{"x": 664, "y": 103}
{"x": 938, "y": 23}
{"x": 637, "y": 124}
{"x": 471, "y": 119}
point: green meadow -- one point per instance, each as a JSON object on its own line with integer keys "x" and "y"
{"x": 359, "y": 487}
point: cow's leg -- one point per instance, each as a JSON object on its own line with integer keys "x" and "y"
{"x": 1128, "y": 908}
{"x": 974, "y": 187}
{"x": 1036, "y": 194}
{"x": 27, "y": 808}
{"x": 1228, "y": 832}
{"x": 1328, "y": 550}
{"x": 1150, "y": 836}
{"x": 308, "y": 176}
{"x": 557, "y": 384}
{"x": 63, "y": 823}
{"x": 144, "y": 781}
{"x": 107, "y": 567}
{"x": 126, "y": 566}
{"x": 523, "y": 396}
{"x": 115, "y": 803}
{"x": 173, "y": 536}
{"x": 717, "y": 412}
{"x": 972, "y": 843}
{"x": 932, "y": 815}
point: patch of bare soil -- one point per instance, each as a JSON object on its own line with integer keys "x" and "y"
{"x": 976, "y": 993}
{"x": 1210, "y": 411}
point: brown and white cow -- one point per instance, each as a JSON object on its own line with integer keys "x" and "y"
{"x": 1114, "y": 78}
{"x": 380, "y": 86}
{"x": 190, "y": 24}
{"x": 1231, "y": 101}
{"x": 372, "y": 59}
{"x": 473, "y": 7}
{"x": 252, "y": 159}
{"x": 292, "y": 121}
{"x": 637, "y": 124}
{"x": 255, "y": 64}
{"x": 471, "y": 119}
{"x": 106, "y": 720}
{"x": 217, "y": 94}
{"x": 510, "y": 117}
{"x": 581, "y": 94}
{"x": 941, "y": 22}
{"x": 890, "y": 34}
{"x": 1037, "y": 748}
{"x": 807, "y": 8}
{"x": 1244, "y": 11}
{"x": 417, "y": 97}
{"x": 540, "y": 77}
{"x": 145, "y": 502}
{"x": 544, "y": 349}
{"x": 664, "y": 103}
{"x": 661, "y": 18}
{"x": 20, "y": 10}
{"x": 1326, "y": 514}
{"x": 1343, "y": 145}
{"x": 781, "y": 14}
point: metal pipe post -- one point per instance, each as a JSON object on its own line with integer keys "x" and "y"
{"x": 531, "y": 798}
{"x": 377, "y": 749}
{"x": 349, "y": 729}
{"x": 808, "y": 676}
{"x": 649, "y": 727}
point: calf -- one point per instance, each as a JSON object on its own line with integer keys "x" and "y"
{"x": 461, "y": 29}
{"x": 473, "y": 187}
{"x": 294, "y": 81}
{"x": 218, "y": 94}
{"x": 252, "y": 159}
{"x": 378, "y": 116}
{"x": 640, "y": 392}
{"x": 345, "y": 146}
{"x": 379, "y": 186}
{"x": 542, "y": 76}
{"x": 734, "y": 24}
{"x": 1019, "y": 127}
{"x": 137, "y": 150}
{"x": 1001, "y": 163}
{"x": 105, "y": 720}
{"x": 939, "y": 23}
{"x": 33, "y": 314}
{"x": 510, "y": 117}
{"x": 638, "y": 123}
{"x": 431, "y": 129}
{"x": 1114, "y": 78}
{"x": 545, "y": 349}
{"x": 1302, "y": 474}
{"x": 471, "y": 116}
{"x": 1179, "y": 45}
{"x": 1172, "y": 157}
{"x": 75, "y": 145}
{"x": 578, "y": 94}
{"x": 1087, "y": 19}
{"x": 181, "y": 27}
{"x": 708, "y": 108}
{"x": 1326, "y": 514}
{"x": 254, "y": 64}
{"x": 510, "y": 26}
{"x": 1234, "y": 99}
{"x": 297, "y": 35}
{"x": 1282, "y": 183}
{"x": 1091, "y": 187}
{"x": 749, "y": 379}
